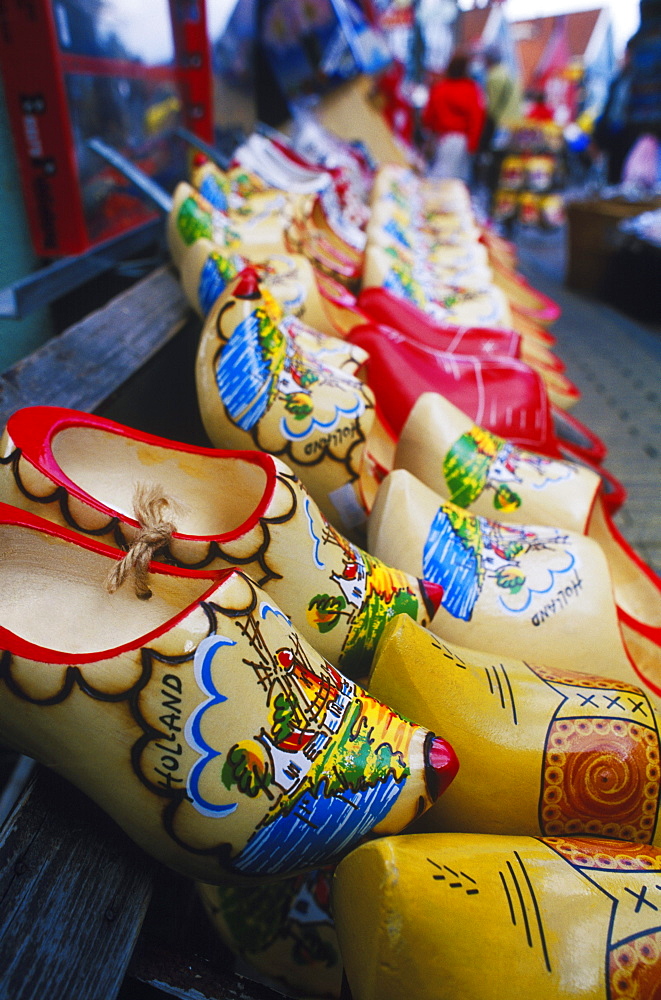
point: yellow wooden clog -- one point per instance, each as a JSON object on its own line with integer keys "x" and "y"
{"x": 453, "y": 916}
{"x": 192, "y": 216}
{"x": 542, "y": 750}
{"x": 492, "y": 477}
{"x": 199, "y": 719}
{"x": 225, "y": 508}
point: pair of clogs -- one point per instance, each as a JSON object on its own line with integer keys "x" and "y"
{"x": 540, "y": 878}
{"x": 200, "y": 717}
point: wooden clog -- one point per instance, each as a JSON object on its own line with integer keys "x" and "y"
{"x": 199, "y": 719}
{"x": 387, "y": 309}
{"x": 226, "y": 508}
{"x": 284, "y": 930}
{"x": 193, "y": 217}
{"x": 227, "y": 189}
{"x": 258, "y": 389}
{"x": 492, "y": 477}
{"x": 448, "y": 916}
{"x": 420, "y": 285}
{"x": 280, "y": 166}
{"x": 504, "y": 393}
{"x": 209, "y": 251}
{"x": 381, "y": 306}
{"x": 206, "y": 270}
{"x": 539, "y": 593}
{"x": 487, "y": 473}
{"x": 543, "y": 751}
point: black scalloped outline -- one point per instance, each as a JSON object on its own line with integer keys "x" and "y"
{"x": 286, "y": 450}
{"x": 164, "y": 555}
{"x": 74, "y": 677}
{"x": 61, "y": 497}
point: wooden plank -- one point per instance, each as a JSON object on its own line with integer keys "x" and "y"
{"x": 180, "y": 954}
{"x": 189, "y": 977}
{"x": 89, "y": 361}
{"x": 74, "y": 891}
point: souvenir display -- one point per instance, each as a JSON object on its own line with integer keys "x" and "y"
{"x": 543, "y": 750}
{"x": 390, "y": 498}
{"x": 532, "y": 175}
{"x": 199, "y": 719}
{"x": 448, "y": 915}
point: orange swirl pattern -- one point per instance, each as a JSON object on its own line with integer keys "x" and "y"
{"x": 601, "y": 777}
{"x": 634, "y": 969}
{"x": 607, "y": 855}
{"x": 579, "y": 680}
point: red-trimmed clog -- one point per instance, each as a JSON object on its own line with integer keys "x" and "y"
{"x": 390, "y": 310}
{"x": 503, "y": 394}
{"x": 200, "y": 720}
{"x": 510, "y": 397}
{"x": 235, "y": 508}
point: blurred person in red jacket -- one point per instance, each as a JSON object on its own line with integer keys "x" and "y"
{"x": 455, "y": 113}
{"x": 536, "y": 108}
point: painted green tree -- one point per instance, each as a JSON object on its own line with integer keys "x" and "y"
{"x": 248, "y": 768}
{"x": 284, "y": 714}
{"x": 193, "y": 222}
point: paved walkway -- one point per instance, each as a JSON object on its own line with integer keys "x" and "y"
{"x": 616, "y": 363}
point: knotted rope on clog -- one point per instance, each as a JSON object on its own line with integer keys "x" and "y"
{"x": 149, "y": 505}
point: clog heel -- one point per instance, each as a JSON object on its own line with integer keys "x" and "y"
{"x": 449, "y": 915}
{"x": 234, "y": 508}
{"x": 199, "y": 719}
{"x": 490, "y": 476}
{"x": 543, "y": 751}
{"x": 538, "y": 593}
{"x": 258, "y": 388}
{"x": 192, "y": 216}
